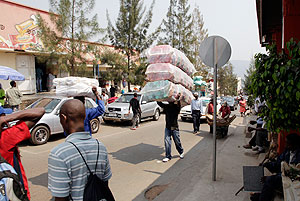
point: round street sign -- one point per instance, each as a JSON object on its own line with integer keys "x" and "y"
{"x": 215, "y": 51}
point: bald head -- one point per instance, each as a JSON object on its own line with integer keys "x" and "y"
{"x": 72, "y": 115}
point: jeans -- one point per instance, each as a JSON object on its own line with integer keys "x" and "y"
{"x": 135, "y": 122}
{"x": 196, "y": 114}
{"x": 176, "y": 137}
{"x": 271, "y": 184}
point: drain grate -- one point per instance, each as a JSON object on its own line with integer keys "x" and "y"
{"x": 154, "y": 191}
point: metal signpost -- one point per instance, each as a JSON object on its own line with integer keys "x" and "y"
{"x": 215, "y": 52}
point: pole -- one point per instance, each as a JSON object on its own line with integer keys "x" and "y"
{"x": 215, "y": 112}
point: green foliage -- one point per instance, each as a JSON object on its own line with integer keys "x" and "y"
{"x": 277, "y": 81}
{"x": 227, "y": 80}
{"x": 70, "y": 27}
{"x": 249, "y": 73}
{"x": 130, "y": 33}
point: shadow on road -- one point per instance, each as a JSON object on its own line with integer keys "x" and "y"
{"x": 40, "y": 180}
{"x": 141, "y": 153}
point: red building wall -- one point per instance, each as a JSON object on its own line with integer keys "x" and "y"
{"x": 291, "y": 19}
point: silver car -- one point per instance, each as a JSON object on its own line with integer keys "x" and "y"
{"x": 118, "y": 110}
{"x": 50, "y": 124}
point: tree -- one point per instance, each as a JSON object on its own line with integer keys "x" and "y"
{"x": 130, "y": 33}
{"x": 249, "y": 73}
{"x": 198, "y": 35}
{"x": 177, "y": 28}
{"x": 65, "y": 39}
{"x": 227, "y": 80}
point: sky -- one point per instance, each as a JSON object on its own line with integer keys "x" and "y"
{"x": 234, "y": 20}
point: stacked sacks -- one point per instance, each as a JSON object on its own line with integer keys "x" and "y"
{"x": 168, "y": 75}
{"x": 75, "y": 86}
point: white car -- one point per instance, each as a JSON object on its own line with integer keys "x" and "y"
{"x": 186, "y": 111}
{"x": 118, "y": 110}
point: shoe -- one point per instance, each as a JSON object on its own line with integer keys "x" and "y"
{"x": 247, "y": 146}
{"x": 255, "y": 148}
{"x": 137, "y": 126}
{"x": 166, "y": 159}
{"x": 182, "y": 155}
{"x": 132, "y": 128}
{"x": 195, "y": 132}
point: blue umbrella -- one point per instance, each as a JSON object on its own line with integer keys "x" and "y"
{"x": 7, "y": 73}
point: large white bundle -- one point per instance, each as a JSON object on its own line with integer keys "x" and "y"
{"x": 166, "y": 71}
{"x": 75, "y": 86}
{"x": 167, "y": 54}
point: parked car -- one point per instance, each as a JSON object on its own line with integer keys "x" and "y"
{"x": 230, "y": 102}
{"x": 186, "y": 111}
{"x": 49, "y": 124}
{"x": 118, "y": 110}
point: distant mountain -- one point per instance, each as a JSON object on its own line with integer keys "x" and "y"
{"x": 240, "y": 67}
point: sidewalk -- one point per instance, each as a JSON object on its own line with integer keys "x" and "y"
{"x": 194, "y": 184}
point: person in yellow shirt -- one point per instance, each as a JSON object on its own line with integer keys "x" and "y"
{"x": 2, "y": 95}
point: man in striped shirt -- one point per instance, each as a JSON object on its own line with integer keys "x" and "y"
{"x": 67, "y": 172}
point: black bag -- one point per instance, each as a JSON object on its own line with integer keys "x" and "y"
{"x": 11, "y": 187}
{"x": 95, "y": 189}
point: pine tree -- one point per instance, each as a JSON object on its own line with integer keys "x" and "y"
{"x": 199, "y": 33}
{"x": 130, "y": 33}
{"x": 177, "y": 28}
{"x": 227, "y": 80}
{"x": 65, "y": 39}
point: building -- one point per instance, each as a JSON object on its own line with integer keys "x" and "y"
{"x": 19, "y": 43}
{"x": 278, "y": 21}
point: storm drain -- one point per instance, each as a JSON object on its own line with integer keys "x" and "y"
{"x": 154, "y": 191}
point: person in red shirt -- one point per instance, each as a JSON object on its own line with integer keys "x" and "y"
{"x": 10, "y": 137}
{"x": 225, "y": 110}
{"x": 210, "y": 107}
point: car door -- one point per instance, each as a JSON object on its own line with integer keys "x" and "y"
{"x": 147, "y": 108}
{"x": 57, "y": 127}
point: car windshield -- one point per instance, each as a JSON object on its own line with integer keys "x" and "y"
{"x": 125, "y": 98}
{"x": 230, "y": 100}
{"x": 48, "y": 103}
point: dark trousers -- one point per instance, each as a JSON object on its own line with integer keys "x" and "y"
{"x": 176, "y": 137}
{"x": 272, "y": 183}
{"x": 196, "y": 114}
{"x": 259, "y": 139}
{"x": 135, "y": 120}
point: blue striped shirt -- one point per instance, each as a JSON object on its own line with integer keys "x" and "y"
{"x": 67, "y": 172}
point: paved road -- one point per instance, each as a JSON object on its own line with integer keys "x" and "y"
{"x": 135, "y": 156}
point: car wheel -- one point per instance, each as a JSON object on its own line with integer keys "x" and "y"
{"x": 95, "y": 124}
{"x": 183, "y": 118}
{"x": 156, "y": 115}
{"x": 40, "y": 135}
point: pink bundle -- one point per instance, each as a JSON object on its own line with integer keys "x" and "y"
{"x": 166, "y": 71}
{"x": 167, "y": 54}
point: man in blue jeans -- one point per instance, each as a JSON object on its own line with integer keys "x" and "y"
{"x": 172, "y": 110}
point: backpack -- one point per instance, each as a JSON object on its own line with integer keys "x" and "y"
{"x": 95, "y": 189}
{"x": 11, "y": 187}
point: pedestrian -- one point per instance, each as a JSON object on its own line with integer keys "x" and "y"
{"x": 242, "y": 104}
{"x": 210, "y": 107}
{"x": 67, "y": 172}
{"x": 136, "y": 109}
{"x": 273, "y": 183}
{"x": 13, "y": 96}
{"x": 11, "y": 136}
{"x": 225, "y": 110}
{"x": 172, "y": 129}
{"x": 196, "y": 107}
{"x": 104, "y": 97}
{"x": 39, "y": 78}
{"x": 92, "y": 113}
{"x": 112, "y": 91}
{"x": 2, "y": 95}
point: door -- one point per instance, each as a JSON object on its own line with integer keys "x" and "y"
{"x": 25, "y": 64}
{"x": 146, "y": 108}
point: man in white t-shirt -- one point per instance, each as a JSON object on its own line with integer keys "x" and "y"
{"x": 104, "y": 97}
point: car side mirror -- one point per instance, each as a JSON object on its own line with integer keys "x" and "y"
{"x": 144, "y": 102}
{"x": 57, "y": 112}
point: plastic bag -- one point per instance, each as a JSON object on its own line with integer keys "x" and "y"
{"x": 165, "y": 90}
{"x": 167, "y": 54}
{"x": 166, "y": 71}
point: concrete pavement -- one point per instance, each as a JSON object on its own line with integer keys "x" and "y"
{"x": 194, "y": 183}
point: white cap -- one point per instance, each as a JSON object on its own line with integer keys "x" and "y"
{"x": 196, "y": 94}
